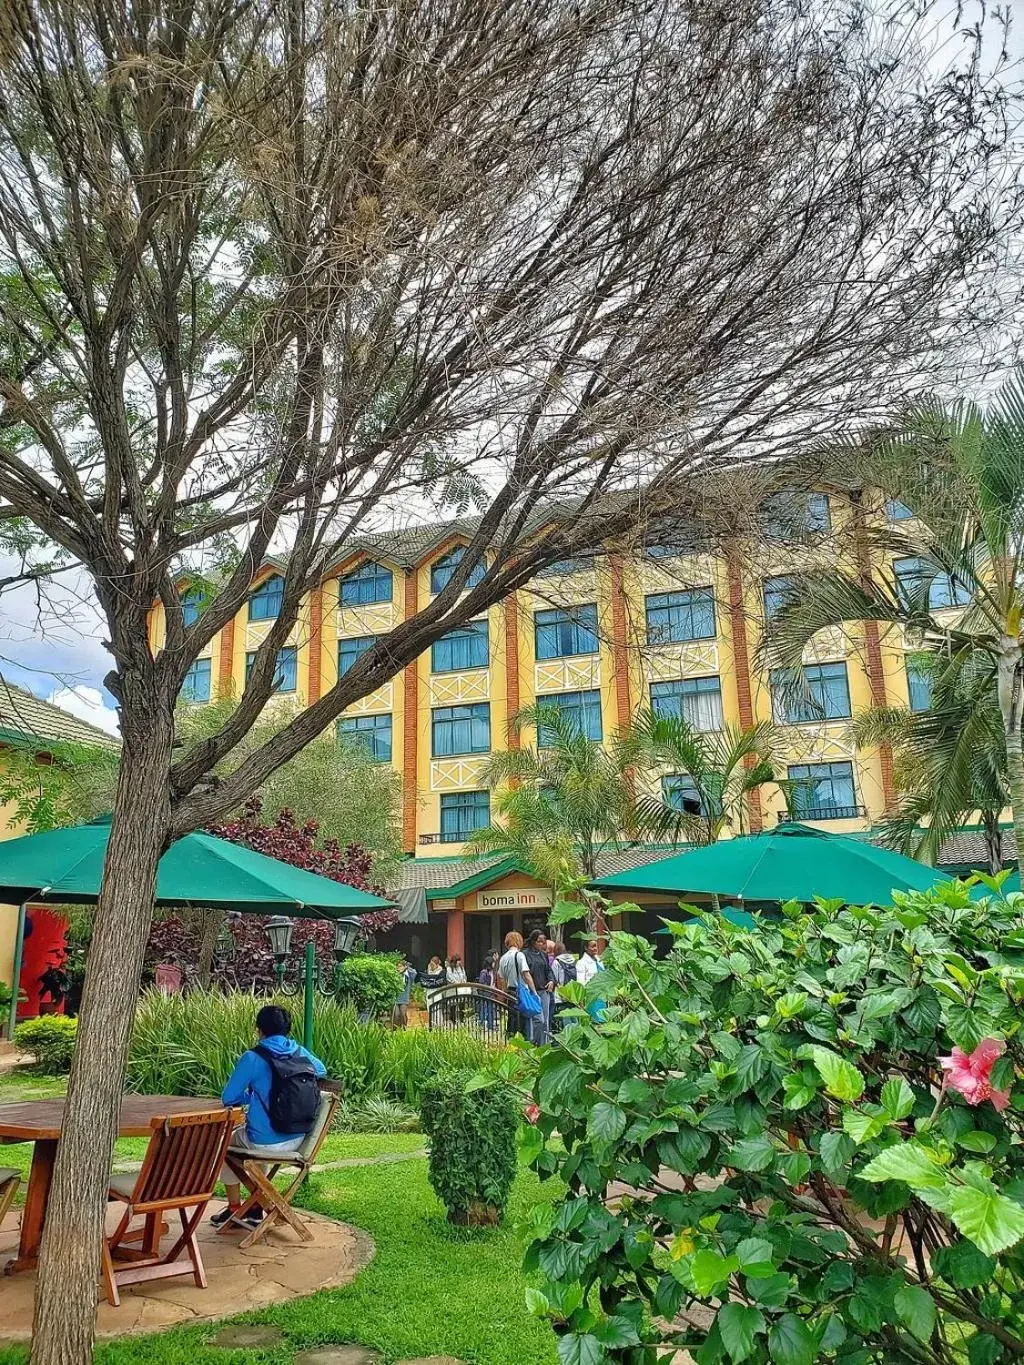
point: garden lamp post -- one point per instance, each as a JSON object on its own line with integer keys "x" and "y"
{"x": 347, "y": 933}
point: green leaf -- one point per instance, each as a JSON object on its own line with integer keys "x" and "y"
{"x": 916, "y": 1310}
{"x": 909, "y": 1162}
{"x": 790, "y": 1342}
{"x": 963, "y": 1265}
{"x": 897, "y": 1098}
{"x": 617, "y": 1333}
{"x": 832, "y": 1333}
{"x": 976, "y": 1141}
{"x": 989, "y": 1219}
{"x": 842, "y": 1080}
{"x": 755, "y": 1257}
{"x": 984, "y": 1349}
{"x": 537, "y": 1303}
{"x": 738, "y": 1326}
{"x": 633, "y": 1090}
{"x": 798, "y": 1093}
{"x": 606, "y": 1122}
{"x": 836, "y": 1150}
{"x": 773, "y": 1291}
{"x": 863, "y": 1127}
{"x": 1002, "y": 1074}
{"x": 710, "y": 1271}
{"x": 558, "y": 1075}
{"x": 751, "y": 1154}
{"x": 579, "y": 1350}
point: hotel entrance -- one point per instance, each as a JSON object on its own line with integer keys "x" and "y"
{"x": 479, "y": 918}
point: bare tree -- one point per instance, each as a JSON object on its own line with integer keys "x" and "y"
{"x": 279, "y": 272}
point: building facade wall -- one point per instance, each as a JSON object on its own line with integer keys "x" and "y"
{"x": 622, "y": 669}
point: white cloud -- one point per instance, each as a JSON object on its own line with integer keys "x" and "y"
{"x": 87, "y": 704}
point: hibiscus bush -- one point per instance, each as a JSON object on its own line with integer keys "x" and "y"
{"x": 794, "y": 1143}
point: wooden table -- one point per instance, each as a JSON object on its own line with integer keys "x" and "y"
{"x": 39, "y": 1122}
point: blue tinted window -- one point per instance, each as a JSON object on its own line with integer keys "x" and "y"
{"x": 460, "y": 729}
{"x": 778, "y": 593}
{"x": 350, "y": 650}
{"x": 462, "y": 813}
{"x": 680, "y": 792}
{"x": 287, "y": 676}
{"x": 466, "y": 647}
{"x": 912, "y": 577}
{"x": 563, "y": 567}
{"x": 674, "y": 616}
{"x": 196, "y": 686}
{"x": 919, "y": 684}
{"x": 444, "y": 568}
{"x": 822, "y": 791}
{"x": 374, "y": 732}
{"x": 582, "y": 711}
{"x": 896, "y": 510}
{"x": 369, "y": 583}
{"x": 265, "y": 603}
{"x": 698, "y": 701}
{"x": 565, "y": 631}
{"x": 792, "y": 515}
{"x": 818, "y": 692}
{"x": 192, "y": 605}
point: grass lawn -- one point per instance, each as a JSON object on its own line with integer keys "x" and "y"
{"x": 430, "y": 1290}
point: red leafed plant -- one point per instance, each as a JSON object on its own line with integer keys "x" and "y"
{"x": 177, "y": 939}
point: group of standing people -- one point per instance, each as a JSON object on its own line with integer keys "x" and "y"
{"x": 540, "y": 963}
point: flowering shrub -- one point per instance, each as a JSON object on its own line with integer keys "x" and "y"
{"x": 801, "y": 1142}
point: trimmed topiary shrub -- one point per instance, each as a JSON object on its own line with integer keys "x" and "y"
{"x": 51, "y": 1040}
{"x": 369, "y": 983}
{"x": 472, "y": 1136}
{"x": 798, "y": 1143}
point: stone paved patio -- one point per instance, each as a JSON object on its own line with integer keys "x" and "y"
{"x": 276, "y": 1269}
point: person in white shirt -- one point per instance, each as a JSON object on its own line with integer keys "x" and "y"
{"x": 590, "y": 963}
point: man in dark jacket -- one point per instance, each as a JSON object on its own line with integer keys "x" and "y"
{"x": 544, "y": 983}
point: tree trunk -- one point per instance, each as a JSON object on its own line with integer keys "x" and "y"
{"x": 210, "y": 928}
{"x": 1009, "y": 688}
{"x": 69, "y": 1262}
{"x": 993, "y": 840}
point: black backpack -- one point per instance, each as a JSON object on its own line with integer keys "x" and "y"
{"x": 294, "y": 1092}
{"x": 568, "y": 970}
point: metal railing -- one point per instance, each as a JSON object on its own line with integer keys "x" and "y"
{"x": 481, "y": 1010}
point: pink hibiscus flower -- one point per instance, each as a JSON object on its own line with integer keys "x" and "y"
{"x": 532, "y": 1113}
{"x": 970, "y": 1073}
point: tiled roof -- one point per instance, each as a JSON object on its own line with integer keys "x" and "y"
{"x": 968, "y": 849}
{"x": 39, "y": 722}
{"x": 435, "y": 874}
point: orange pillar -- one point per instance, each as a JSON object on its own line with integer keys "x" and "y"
{"x": 741, "y": 667}
{"x": 410, "y": 729}
{"x": 456, "y": 934}
{"x": 873, "y": 643}
{"x": 316, "y": 625}
{"x": 512, "y": 704}
{"x": 620, "y": 643}
{"x": 225, "y": 681}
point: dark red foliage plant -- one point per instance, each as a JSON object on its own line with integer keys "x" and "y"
{"x": 176, "y": 938}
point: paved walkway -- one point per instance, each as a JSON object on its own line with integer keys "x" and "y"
{"x": 274, "y": 1270}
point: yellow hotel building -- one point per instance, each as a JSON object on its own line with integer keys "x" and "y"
{"x": 603, "y": 636}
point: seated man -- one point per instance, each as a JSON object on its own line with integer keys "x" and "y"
{"x": 277, "y": 1079}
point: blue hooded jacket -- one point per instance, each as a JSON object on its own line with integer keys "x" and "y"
{"x": 249, "y": 1084}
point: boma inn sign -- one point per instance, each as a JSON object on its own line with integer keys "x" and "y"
{"x": 516, "y": 898}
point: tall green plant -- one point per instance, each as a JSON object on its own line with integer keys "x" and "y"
{"x": 960, "y": 471}
{"x": 562, "y": 801}
{"x": 950, "y": 763}
{"x": 724, "y": 765}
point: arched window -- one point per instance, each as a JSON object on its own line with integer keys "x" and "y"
{"x": 192, "y": 601}
{"x": 369, "y": 583}
{"x": 443, "y": 570}
{"x": 265, "y": 602}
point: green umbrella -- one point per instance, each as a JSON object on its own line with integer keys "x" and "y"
{"x": 64, "y": 867}
{"x": 790, "y": 862}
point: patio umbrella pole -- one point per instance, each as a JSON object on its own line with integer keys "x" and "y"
{"x": 19, "y": 948}
{"x": 307, "y": 1003}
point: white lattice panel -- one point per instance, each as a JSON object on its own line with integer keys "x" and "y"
{"x": 568, "y": 675}
{"x": 828, "y": 645}
{"x": 816, "y": 743}
{"x": 695, "y": 659}
{"x": 446, "y": 688}
{"x": 381, "y": 700}
{"x": 376, "y": 618}
{"x": 457, "y": 774}
{"x": 562, "y": 590}
{"x": 677, "y": 573}
{"x": 257, "y": 631}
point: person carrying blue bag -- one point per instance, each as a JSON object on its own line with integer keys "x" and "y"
{"x": 514, "y": 971}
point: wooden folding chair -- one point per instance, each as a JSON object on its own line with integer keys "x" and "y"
{"x": 256, "y": 1171}
{"x": 183, "y": 1162}
{"x": 9, "y": 1182}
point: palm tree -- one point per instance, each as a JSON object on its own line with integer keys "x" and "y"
{"x": 722, "y": 767}
{"x": 956, "y": 582}
{"x": 950, "y": 762}
{"x": 561, "y": 803}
